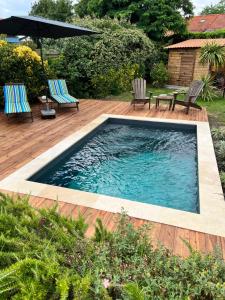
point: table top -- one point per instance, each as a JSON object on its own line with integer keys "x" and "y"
{"x": 43, "y": 101}
{"x": 164, "y": 97}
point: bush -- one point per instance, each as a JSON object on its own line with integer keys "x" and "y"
{"x": 159, "y": 75}
{"x": 209, "y": 91}
{"x": 218, "y": 135}
{"x": 21, "y": 64}
{"x": 222, "y": 178}
{"x": 94, "y": 65}
{"x": 113, "y": 81}
{"x": 46, "y": 256}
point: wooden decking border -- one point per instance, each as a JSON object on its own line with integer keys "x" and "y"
{"x": 21, "y": 141}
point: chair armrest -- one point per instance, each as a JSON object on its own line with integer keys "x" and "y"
{"x": 190, "y": 98}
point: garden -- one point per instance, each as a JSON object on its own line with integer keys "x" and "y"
{"x": 47, "y": 256}
{"x": 44, "y": 255}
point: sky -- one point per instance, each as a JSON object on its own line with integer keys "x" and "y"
{"x": 22, "y": 7}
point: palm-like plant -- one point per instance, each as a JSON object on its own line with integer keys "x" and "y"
{"x": 209, "y": 91}
{"x": 213, "y": 55}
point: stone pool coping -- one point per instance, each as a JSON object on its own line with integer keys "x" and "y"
{"x": 211, "y": 218}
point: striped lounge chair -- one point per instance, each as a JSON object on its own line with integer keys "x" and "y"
{"x": 15, "y": 98}
{"x": 59, "y": 93}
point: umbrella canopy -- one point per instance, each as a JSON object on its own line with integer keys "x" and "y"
{"x": 40, "y": 28}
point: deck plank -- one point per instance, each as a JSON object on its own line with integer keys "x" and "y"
{"x": 22, "y": 141}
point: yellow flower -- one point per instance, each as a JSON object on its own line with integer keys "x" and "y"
{"x": 2, "y": 43}
{"x": 27, "y": 53}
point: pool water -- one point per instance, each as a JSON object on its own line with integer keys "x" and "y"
{"x": 150, "y": 164}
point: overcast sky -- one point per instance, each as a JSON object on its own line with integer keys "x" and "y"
{"x": 22, "y": 7}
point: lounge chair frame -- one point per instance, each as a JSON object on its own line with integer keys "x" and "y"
{"x": 18, "y": 114}
{"x": 59, "y": 105}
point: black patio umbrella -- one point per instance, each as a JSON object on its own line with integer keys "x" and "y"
{"x": 39, "y": 28}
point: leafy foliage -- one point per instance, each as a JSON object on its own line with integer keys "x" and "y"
{"x": 159, "y": 75}
{"x": 105, "y": 64}
{"x": 61, "y": 10}
{"x": 209, "y": 91}
{"x": 212, "y": 54}
{"x": 21, "y": 64}
{"x": 156, "y": 17}
{"x": 218, "y": 8}
{"x": 219, "y": 33}
{"x": 218, "y": 135}
{"x": 46, "y": 256}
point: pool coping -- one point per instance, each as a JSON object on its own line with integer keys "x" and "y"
{"x": 211, "y": 218}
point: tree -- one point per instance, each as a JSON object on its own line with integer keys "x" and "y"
{"x": 213, "y": 55}
{"x": 61, "y": 10}
{"x": 218, "y": 8}
{"x": 156, "y": 17}
{"x": 104, "y": 64}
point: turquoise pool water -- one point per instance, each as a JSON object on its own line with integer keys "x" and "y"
{"x": 154, "y": 164}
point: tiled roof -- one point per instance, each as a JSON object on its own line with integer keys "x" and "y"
{"x": 206, "y": 23}
{"x": 196, "y": 43}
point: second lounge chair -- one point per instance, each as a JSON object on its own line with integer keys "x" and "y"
{"x": 59, "y": 93}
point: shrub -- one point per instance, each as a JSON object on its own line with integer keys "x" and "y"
{"x": 113, "y": 81}
{"x": 159, "y": 75}
{"x": 222, "y": 178}
{"x": 218, "y": 133}
{"x": 21, "y": 64}
{"x": 94, "y": 65}
{"x": 46, "y": 256}
{"x": 209, "y": 91}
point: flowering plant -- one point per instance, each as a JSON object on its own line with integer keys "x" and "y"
{"x": 19, "y": 63}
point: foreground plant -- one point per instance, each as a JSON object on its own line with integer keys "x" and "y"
{"x": 46, "y": 256}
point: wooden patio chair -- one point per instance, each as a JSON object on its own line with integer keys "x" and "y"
{"x": 139, "y": 92}
{"x": 59, "y": 93}
{"x": 15, "y": 100}
{"x": 191, "y": 96}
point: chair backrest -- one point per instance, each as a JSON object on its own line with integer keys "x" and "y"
{"x": 57, "y": 87}
{"x": 15, "y": 92}
{"x": 139, "y": 88}
{"x": 194, "y": 90}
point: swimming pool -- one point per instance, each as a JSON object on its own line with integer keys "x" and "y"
{"x": 153, "y": 163}
{"x": 209, "y": 205}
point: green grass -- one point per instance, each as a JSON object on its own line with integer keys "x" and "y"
{"x": 215, "y": 108}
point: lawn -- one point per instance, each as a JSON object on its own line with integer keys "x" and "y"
{"x": 215, "y": 108}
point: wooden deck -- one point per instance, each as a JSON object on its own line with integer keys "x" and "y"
{"x": 21, "y": 141}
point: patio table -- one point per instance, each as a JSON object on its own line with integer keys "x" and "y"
{"x": 165, "y": 98}
{"x": 47, "y": 108}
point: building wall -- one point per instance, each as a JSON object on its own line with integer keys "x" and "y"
{"x": 174, "y": 66}
{"x": 199, "y": 70}
{"x": 184, "y": 66}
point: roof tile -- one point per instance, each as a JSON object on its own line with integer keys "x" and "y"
{"x": 206, "y": 23}
{"x": 196, "y": 43}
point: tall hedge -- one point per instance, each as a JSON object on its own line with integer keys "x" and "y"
{"x": 106, "y": 63}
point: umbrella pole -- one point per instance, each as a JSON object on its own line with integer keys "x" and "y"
{"x": 44, "y": 73}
